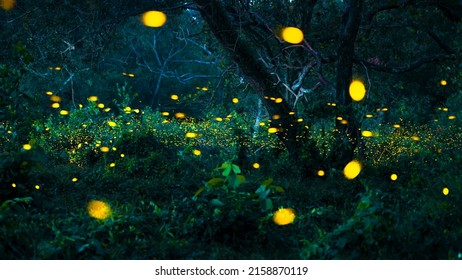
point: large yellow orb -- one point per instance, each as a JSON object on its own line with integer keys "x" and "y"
{"x": 99, "y": 209}
{"x": 292, "y": 35}
{"x": 352, "y": 169}
{"x": 357, "y": 90}
{"x": 154, "y": 18}
{"x": 284, "y": 216}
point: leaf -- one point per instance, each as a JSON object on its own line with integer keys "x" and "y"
{"x": 266, "y": 204}
{"x": 198, "y": 192}
{"x": 216, "y": 202}
{"x": 267, "y": 182}
{"x": 215, "y": 183}
{"x": 227, "y": 170}
{"x": 236, "y": 169}
{"x": 239, "y": 180}
{"x": 276, "y": 188}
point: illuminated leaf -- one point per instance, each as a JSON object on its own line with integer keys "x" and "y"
{"x": 216, "y": 183}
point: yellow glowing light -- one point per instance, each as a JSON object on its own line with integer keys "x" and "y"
{"x": 291, "y": 113}
{"x": 357, "y": 90}
{"x": 13, "y": 185}
{"x": 165, "y": 114}
{"x": 180, "y": 115}
{"x": 445, "y": 191}
{"x": 112, "y": 164}
{"x": 256, "y": 165}
{"x": 367, "y": 133}
{"x": 127, "y": 109}
{"x": 37, "y": 187}
{"x": 321, "y": 173}
{"x": 415, "y": 138}
{"x": 27, "y": 147}
{"x": 55, "y": 98}
{"x": 299, "y": 120}
{"x": 396, "y": 126}
{"x": 74, "y": 179}
{"x": 278, "y": 100}
{"x": 99, "y": 209}
{"x": 339, "y": 118}
{"x": 394, "y": 177}
{"x": 196, "y": 152}
{"x": 80, "y": 106}
{"x": 445, "y": 109}
{"x": 276, "y": 117}
{"x": 114, "y": 148}
{"x": 111, "y": 123}
{"x": 57, "y": 68}
{"x": 64, "y": 112}
{"x": 262, "y": 123}
{"x": 154, "y": 18}
{"x": 104, "y": 149}
{"x": 204, "y": 89}
{"x": 344, "y": 122}
{"x": 292, "y": 35}
{"x": 452, "y": 117}
{"x": 55, "y": 105}
{"x": 219, "y": 119}
{"x": 7, "y": 4}
{"x": 136, "y": 111}
{"x": 174, "y": 97}
{"x": 384, "y": 109}
{"x": 369, "y": 116}
{"x": 100, "y": 105}
{"x": 333, "y": 104}
{"x": 284, "y": 216}
{"x": 122, "y": 155}
{"x": 131, "y": 75}
{"x": 93, "y": 98}
{"x": 191, "y": 135}
{"x": 235, "y": 100}
{"x": 352, "y": 169}
{"x": 272, "y": 130}
{"x": 443, "y": 82}
{"x": 49, "y": 93}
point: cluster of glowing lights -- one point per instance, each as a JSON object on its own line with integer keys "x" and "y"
{"x": 154, "y": 19}
{"x": 357, "y": 90}
{"x": 284, "y": 216}
{"x": 99, "y": 210}
{"x": 292, "y": 35}
{"x": 352, "y": 169}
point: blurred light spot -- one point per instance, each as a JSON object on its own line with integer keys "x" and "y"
{"x": 284, "y": 216}
{"x": 235, "y": 100}
{"x": 112, "y": 164}
{"x": 74, "y": 179}
{"x": 344, "y": 122}
{"x": 7, "y": 4}
{"x": 292, "y": 35}
{"x": 122, "y": 155}
{"x": 321, "y": 173}
{"x": 80, "y": 106}
{"x": 131, "y": 75}
{"x": 57, "y": 68}
{"x": 299, "y": 120}
{"x": 445, "y": 109}
{"x": 114, "y": 148}
{"x": 352, "y": 169}
{"x": 55, "y": 98}
{"x": 272, "y": 130}
{"x": 191, "y": 135}
{"x": 276, "y": 117}
{"x": 197, "y": 152}
{"x": 101, "y": 105}
{"x": 384, "y": 109}
{"x": 452, "y": 117}
{"x": 93, "y": 98}
{"x": 174, "y": 97}
{"x": 180, "y": 115}
{"x": 291, "y": 113}
{"x": 415, "y": 138}
{"x": 99, "y": 210}
{"x": 37, "y": 187}
{"x": 55, "y": 105}
{"x": 278, "y": 100}
{"x": 445, "y": 191}
{"x": 369, "y": 116}
{"x": 127, "y": 109}
{"x": 136, "y": 111}
{"x": 339, "y": 118}
{"x": 394, "y": 177}
{"x": 219, "y": 119}
{"x": 49, "y": 93}
{"x": 13, "y": 185}
{"x": 367, "y": 133}
{"x": 104, "y": 149}
{"x": 256, "y": 165}
{"x": 64, "y": 112}
{"x": 205, "y": 89}
{"x": 357, "y": 90}
{"x": 154, "y": 18}
{"x": 111, "y": 123}
{"x": 396, "y": 126}
{"x": 333, "y": 104}
{"x": 443, "y": 82}
{"x": 165, "y": 114}
{"x": 262, "y": 124}
{"x": 27, "y": 147}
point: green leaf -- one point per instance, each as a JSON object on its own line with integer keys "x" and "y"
{"x": 215, "y": 183}
{"x": 267, "y": 182}
{"x": 216, "y": 202}
{"x": 238, "y": 180}
{"x": 266, "y": 204}
{"x": 227, "y": 171}
{"x": 198, "y": 192}
{"x": 236, "y": 169}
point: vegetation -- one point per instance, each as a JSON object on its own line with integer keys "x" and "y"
{"x": 205, "y": 130}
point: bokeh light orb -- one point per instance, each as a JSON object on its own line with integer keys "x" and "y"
{"x": 99, "y": 210}
{"x": 154, "y": 19}
{"x": 292, "y": 35}
{"x": 357, "y": 90}
{"x": 284, "y": 216}
{"x": 352, "y": 169}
